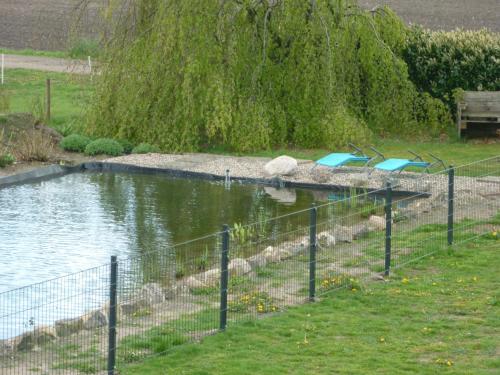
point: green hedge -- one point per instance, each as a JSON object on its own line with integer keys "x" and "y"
{"x": 440, "y": 62}
{"x": 104, "y": 146}
{"x": 75, "y": 143}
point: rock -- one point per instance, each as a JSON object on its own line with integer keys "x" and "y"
{"x": 343, "y": 234}
{"x": 152, "y": 294}
{"x": 239, "y": 267}
{"x": 193, "y": 283}
{"x": 6, "y": 348}
{"x": 271, "y": 254}
{"x": 66, "y": 327}
{"x": 210, "y": 277}
{"x": 94, "y": 319}
{"x": 326, "y": 239}
{"x": 133, "y": 306}
{"x": 281, "y": 166}
{"x": 286, "y": 196}
{"x": 360, "y": 231}
{"x": 40, "y": 335}
{"x": 257, "y": 261}
{"x": 284, "y": 254}
{"x": 377, "y": 222}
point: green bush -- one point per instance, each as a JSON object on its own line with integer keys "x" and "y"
{"x": 6, "y": 159}
{"x": 439, "y": 62}
{"x": 145, "y": 148}
{"x": 75, "y": 143}
{"x": 104, "y": 146}
{"x": 127, "y": 146}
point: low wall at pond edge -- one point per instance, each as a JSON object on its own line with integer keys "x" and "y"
{"x": 53, "y": 171}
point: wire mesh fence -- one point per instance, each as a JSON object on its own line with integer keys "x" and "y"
{"x": 120, "y": 313}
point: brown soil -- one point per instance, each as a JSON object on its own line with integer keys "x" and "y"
{"x": 45, "y": 24}
{"x": 48, "y": 24}
{"x": 445, "y": 14}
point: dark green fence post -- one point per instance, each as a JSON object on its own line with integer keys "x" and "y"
{"x": 224, "y": 276}
{"x": 388, "y": 228}
{"x": 112, "y": 316}
{"x": 312, "y": 253}
{"x": 451, "y": 198}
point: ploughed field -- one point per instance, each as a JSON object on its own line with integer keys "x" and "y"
{"x": 48, "y": 24}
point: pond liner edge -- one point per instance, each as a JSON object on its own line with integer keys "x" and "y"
{"x": 54, "y": 171}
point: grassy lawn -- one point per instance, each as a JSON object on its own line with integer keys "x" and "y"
{"x": 33, "y": 52}
{"x": 69, "y": 94}
{"x": 452, "y": 152}
{"x": 439, "y": 315}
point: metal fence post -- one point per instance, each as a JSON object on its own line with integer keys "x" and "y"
{"x": 451, "y": 202}
{"x": 224, "y": 276}
{"x": 112, "y": 316}
{"x": 388, "y": 228}
{"x": 312, "y": 253}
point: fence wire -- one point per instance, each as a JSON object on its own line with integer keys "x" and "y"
{"x": 182, "y": 293}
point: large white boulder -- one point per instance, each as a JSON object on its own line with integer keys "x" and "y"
{"x": 239, "y": 267}
{"x": 281, "y": 166}
{"x": 377, "y": 222}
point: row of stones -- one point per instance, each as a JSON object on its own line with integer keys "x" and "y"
{"x": 152, "y": 294}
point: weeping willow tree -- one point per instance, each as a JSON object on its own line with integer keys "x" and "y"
{"x": 253, "y": 74}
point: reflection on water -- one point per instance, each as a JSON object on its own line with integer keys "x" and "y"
{"x": 74, "y": 222}
{"x": 68, "y": 224}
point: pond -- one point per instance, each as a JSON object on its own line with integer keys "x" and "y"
{"x": 71, "y": 223}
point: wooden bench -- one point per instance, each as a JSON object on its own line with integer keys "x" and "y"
{"x": 477, "y": 110}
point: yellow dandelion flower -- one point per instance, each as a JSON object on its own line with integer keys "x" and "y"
{"x": 382, "y": 339}
{"x": 405, "y": 280}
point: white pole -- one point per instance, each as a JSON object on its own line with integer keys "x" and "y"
{"x": 90, "y": 65}
{"x": 3, "y": 61}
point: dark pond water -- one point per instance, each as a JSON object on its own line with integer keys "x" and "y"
{"x": 68, "y": 224}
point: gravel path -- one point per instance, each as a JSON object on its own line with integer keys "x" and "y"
{"x": 308, "y": 172}
{"x": 48, "y": 64}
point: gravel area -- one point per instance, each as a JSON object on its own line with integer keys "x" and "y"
{"x": 308, "y": 172}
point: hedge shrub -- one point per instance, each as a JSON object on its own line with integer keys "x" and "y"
{"x": 440, "y": 62}
{"x": 6, "y": 159}
{"x": 75, "y": 143}
{"x": 104, "y": 146}
{"x": 127, "y": 146}
{"x": 145, "y": 148}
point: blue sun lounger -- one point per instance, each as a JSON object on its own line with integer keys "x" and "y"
{"x": 339, "y": 159}
{"x": 394, "y": 165}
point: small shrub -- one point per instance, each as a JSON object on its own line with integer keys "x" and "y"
{"x": 145, "y": 148}
{"x": 34, "y": 146}
{"x": 127, "y": 146}
{"x": 104, "y": 146}
{"x": 6, "y": 159}
{"x": 75, "y": 143}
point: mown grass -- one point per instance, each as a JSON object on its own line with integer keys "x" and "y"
{"x": 438, "y": 315}
{"x": 452, "y": 152}
{"x": 34, "y": 52}
{"x": 69, "y": 94}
